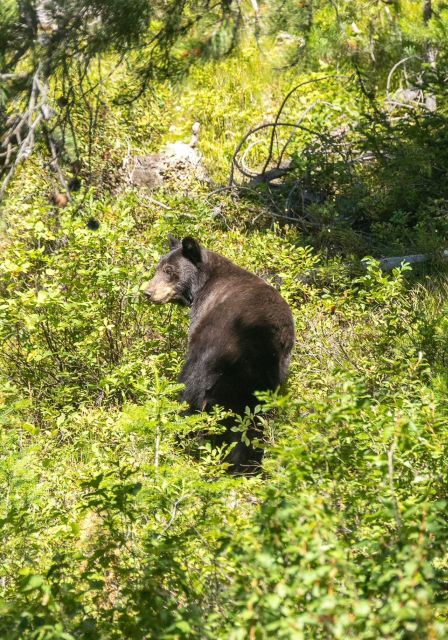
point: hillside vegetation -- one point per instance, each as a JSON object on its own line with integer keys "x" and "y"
{"x": 119, "y": 520}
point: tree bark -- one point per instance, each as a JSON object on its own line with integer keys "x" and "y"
{"x": 427, "y": 11}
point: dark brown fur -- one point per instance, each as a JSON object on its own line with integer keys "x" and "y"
{"x": 241, "y": 332}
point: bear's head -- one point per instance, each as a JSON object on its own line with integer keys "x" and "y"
{"x": 178, "y": 273}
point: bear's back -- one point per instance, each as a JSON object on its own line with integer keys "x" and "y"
{"x": 242, "y": 326}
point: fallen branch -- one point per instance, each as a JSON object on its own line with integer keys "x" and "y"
{"x": 282, "y": 106}
{"x": 324, "y": 160}
{"x": 387, "y": 264}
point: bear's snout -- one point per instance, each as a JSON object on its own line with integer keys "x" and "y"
{"x": 159, "y": 291}
{"x": 148, "y": 293}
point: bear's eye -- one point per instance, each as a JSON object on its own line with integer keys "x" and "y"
{"x": 168, "y": 270}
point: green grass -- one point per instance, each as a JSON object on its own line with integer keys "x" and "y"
{"x": 343, "y": 535}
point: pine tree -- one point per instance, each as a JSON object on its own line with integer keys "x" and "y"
{"x": 44, "y": 39}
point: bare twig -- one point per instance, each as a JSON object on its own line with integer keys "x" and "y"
{"x": 13, "y": 76}
{"x": 20, "y": 137}
{"x": 283, "y": 104}
{"x": 395, "y": 67}
{"x": 298, "y": 123}
{"x": 390, "y": 465}
{"x": 267, "y": 125}
{"x": 156, "y": 202}
{"x": 157, "y": 447}
{"x": 173, "y": 513}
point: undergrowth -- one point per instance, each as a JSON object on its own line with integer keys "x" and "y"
{"x": 118, "y": 519}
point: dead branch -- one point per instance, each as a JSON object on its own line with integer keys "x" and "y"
{"x": 18, "y": 141}
{"x": 325, "y": 140}
{"x": 332, "y": 160}
{"x": 12, "y": 76}
{"x": 282, "y": 106}
{"x": 390, "y": 466}
{"x": 298, "y": 123}
{"x": 394, "y": 68}
{"x": 269, "y": 176}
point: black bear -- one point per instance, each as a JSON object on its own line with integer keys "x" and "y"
{"x": 240, "y": 338}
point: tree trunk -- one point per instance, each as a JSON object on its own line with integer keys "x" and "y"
{"x": 427, "y": 11}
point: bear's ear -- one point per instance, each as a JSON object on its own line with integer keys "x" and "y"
{"x": 191, "y": 250}
{"x": 173, "y": 242}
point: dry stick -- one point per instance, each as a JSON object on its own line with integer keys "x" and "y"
{"x": 386, "y": 264}
{"x": 256, "y": 8}
{"x": 245, "y": 171}
{"x": 299, "y": 122}
{"x": 397, "y": 103}
{"x": 173, "y": 513}
{"x": 395, "y": 67}
{"x": 390, "y": 464}
{"x": 36, "y": 105}
{"x": 337, "y": 146}
{"x": 283, "y": 104}
{"x": 26, "y": 145}
{"x": 293, "y": 125}
{"x": 156, "y": 202}
{"x": 13, "y": 76}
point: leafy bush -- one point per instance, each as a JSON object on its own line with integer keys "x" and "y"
{"x": 118, "y": 517}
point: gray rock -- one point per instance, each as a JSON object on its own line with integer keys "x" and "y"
{"x": 147, "y": 171}
{"x": 178, "y": 161}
